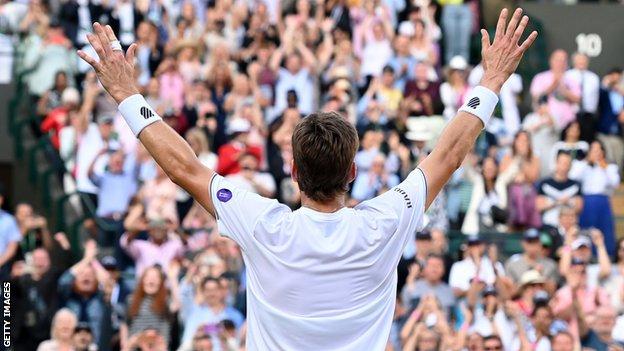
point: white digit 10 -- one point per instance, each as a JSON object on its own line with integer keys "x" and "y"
{"x": 589, "y": 44}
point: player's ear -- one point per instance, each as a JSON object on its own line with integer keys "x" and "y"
{"x": 294, "y": 173}
{"x": 352, "y": 172}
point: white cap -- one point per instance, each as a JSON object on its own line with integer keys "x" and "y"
{"x": 582, "y": 240}
{"x": 458, "y": 62}
{"x": 70, "y": 96}
{"x": 407, "y": 28}
{"x": 238, "y": 125}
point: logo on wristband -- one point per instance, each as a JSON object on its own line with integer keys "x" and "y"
{"x": 146, "y": 112}
{"x": 474, "y": 102}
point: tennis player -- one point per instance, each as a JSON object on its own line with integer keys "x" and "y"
{"x": 322, "y": 277}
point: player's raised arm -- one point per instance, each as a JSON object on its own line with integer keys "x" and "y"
{"x": 499, "y": 59}
{"x": 116, "y": 73}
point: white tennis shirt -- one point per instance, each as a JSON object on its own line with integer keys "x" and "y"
{"x": 320, "y": 281}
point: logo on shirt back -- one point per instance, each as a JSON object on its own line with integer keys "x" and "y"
{"x": 146, "y": 112}
{"x": 224, "y": 195}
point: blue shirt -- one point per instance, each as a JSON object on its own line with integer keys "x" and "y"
{"x": 115, "y": 192}
{"x": 194, "y": 316}
{"x": 9, "y": 231}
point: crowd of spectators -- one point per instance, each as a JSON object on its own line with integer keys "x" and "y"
{"x": 234, "y": 78}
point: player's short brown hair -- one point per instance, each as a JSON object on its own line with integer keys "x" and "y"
{"x": 324, "y": 146}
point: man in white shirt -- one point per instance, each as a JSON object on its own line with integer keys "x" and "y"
{"x": 322, "y": 277}
{"x": 589, "y": 83}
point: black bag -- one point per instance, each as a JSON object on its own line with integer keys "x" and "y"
{"x": 499, "y": 216}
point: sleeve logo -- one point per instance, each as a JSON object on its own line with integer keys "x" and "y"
{"x": 474, "y": 102}
{"x": 224, "y": 195}
{"x": 146, "y": 112}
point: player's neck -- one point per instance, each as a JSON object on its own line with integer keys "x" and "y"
{"x": 323, "y": 206}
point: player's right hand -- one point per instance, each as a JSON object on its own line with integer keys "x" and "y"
{"x": 501, "y": 57}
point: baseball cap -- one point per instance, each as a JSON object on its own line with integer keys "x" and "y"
{"x": 82, "y": 326}
{"x": 458, "y": 63}
{"x": 531, "y": 277}
{"x": 473, "y": 240}
{"x": 109, "y": 262}
{"x": 531, "y": 234}
{"x": 238, "y": 125}
{"x": 407, "y": 28}
{"x": 581, "y": 241}
{"x": 423, "y": 235}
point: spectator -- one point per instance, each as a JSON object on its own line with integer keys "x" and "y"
{"x": 457, "y": 20}
{"x": 530, "y": 259}
{"x": 161, "y": 247}
{"x": 598, "y": 179}
{"x": 79, "y": 290}
{"x": 296, "y": 76}
{"x": 422, "y": 95}
{"x": 250, "y": 178}
{"x": 563, "y": 92}
{"x": 541, "y": 127}
{"x": 57, "y": 118}
{"x": 452, "y": 91}
{"x": 34, "y": 293}
{"x": 83, "y": 338}
{"x": 238, "y": 129}
{"x": 403, "y": 61}
{"x": 430, "y": 283}
{"x": 576, "y": 299}
{"x": 522, "y": 194}
{"x": 611, "y": 115}
{"x": 210, "y": 311}
{"x": 488, "y": 202}
{"x": 116, "y": 186}
{"x": 63, "y": 325}
{"x": 422, "y": 46}
{"x": 150, "y": 306}
{"x": 571, "y": 144}
{"x": 374, "y": 182}
{"x": 474, "y": 267}
{"x": 599, "y": 335}
{"x": 147, "y": 340}
{"x": 558, "y": 191}
{"x": 612, "y": 280}
{"x": 589, "y": 89}
{"x": 562, "y": 341}
{"x": 52, "y": 98}
{"x": 48, "y": 53}
{"x": 10, "y": 238}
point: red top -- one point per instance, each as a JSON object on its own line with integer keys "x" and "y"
{"x": 228, "y": 157}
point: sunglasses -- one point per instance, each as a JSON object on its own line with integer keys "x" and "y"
{"x": 493, "y": 348}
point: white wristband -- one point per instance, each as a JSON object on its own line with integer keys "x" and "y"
{"x": 137, "y": 113}
{"x": 480, "y": 102}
